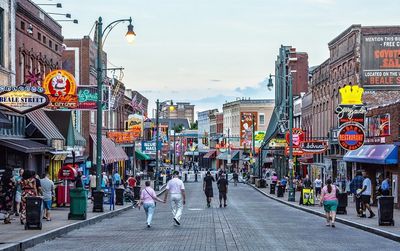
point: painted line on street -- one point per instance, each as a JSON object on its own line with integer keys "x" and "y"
{"x": 366, "y": 228}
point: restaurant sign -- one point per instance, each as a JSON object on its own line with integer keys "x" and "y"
{"x": 297, "y": 151}
{"x": 351, "y": 113}
{"x": 314, "y": 146}
{"x": 22, "y": 99}
{"x": 351, "y": 136}
{"x": 60, "y": 87}
{"x": 121, "y": 137}
{"x": 149, "y": 147}
{"x": 297, "y": 136}
{"x": 277, "y": 143}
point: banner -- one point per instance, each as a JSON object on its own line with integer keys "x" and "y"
{"x": 60, "y": 87}
{"x": 246, "y": 127}
{"x": 380, "y": 61}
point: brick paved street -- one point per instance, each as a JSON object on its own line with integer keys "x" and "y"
{"x": 250, "y": 222}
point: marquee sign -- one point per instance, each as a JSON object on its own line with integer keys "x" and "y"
{"x": 351, "y": 136}
{"x": 314, "y": 146}
{"x": 121, "y": 137}
{"x": 22, "y": 99}
{"x": 351, "y": 113}
{"x": 297, "y": 136}
{"x": 60, "y": 87}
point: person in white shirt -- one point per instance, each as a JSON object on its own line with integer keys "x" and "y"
{"x": 366, "y": 192}
{"x": 318, "y": 186}
{"x": 176, "y": 188}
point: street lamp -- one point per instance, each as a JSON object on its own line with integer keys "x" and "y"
{"x": 289, "y": 82}
{"x": 158, "y": 107}
{"x": 67, "y": 15}
{"x": 58, "y": 5}
{"x": 100, "y": 42}
{"x": 75, "y": 21}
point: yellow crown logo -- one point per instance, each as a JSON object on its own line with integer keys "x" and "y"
{"x": 351, "y": 95}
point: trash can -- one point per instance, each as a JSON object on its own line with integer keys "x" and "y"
{"x": 272, "y": 188}
{"x": 33, "y": 213}
{"x": 98, "y": 197}
{"x": 119, "y": 196}
{"x": 78, "y": 206}
{"x": 308, "y": 196}
{"x": 385, "y": 210}
{"x": 342, "y": 203}
{"x": 136, "y": 193}
{"x": 281, "y": 191}
{"x": 263, "y": 183}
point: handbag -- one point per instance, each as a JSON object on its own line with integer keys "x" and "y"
{"x": 155, "y": 203}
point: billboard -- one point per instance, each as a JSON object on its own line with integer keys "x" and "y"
{"x": 246, "y": 127}
{"x": 380, "y": 61}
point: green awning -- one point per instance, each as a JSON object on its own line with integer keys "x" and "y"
{"x": 141, "y": 156}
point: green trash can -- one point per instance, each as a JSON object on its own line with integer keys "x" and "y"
{"x": 78, "y": 205}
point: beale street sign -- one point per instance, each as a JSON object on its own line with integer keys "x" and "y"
{"x": 314, "y": 146}
{"x": 22, "y": 99}
{"x": 351, "y": 136}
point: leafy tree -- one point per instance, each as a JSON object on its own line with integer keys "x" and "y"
{"x": 194, "y": 126}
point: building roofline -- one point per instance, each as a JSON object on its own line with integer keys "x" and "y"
{"x": 343, "y": 33}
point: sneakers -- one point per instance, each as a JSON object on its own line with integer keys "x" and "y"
{"x": 225, "y": 205}
{"x": 371, "y": 215}
{"x": 148, "y": 226}
{"x": 177, "y": 222}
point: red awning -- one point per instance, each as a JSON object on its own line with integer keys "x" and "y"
{"x": 68, "y": 172}
{"x": 210, "y": 155}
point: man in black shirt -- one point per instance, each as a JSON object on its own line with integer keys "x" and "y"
{"x": 207, "y": 187}
{"x": 222, "y": 184}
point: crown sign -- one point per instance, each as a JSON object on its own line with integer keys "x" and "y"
{"x": 351, "y": 95}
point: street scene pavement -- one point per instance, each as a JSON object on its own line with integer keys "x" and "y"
{"x": 251, "y": 221}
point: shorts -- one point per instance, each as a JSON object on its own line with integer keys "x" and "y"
{"x": 330, "y": 205}
{"x": 366, "y": 199}
{"x": 222, "y": 195}
{"x": 317, "y": 190}
{"x": 18, "y": 197}
{"x": 47, "y": 204}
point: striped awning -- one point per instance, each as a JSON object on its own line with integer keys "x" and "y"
{"x": 110, "y": 153}
{"x": 210, "y": 155}
{"x": 44, "y": 124}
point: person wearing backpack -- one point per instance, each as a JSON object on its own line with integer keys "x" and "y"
{"x": 329, "y": 199}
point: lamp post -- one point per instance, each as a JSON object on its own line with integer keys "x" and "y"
{"x": 289, "y": 82}
{"x": 174, "y": 147}
{"x": 99, "y": 40}
{"x": 253, "y": 142}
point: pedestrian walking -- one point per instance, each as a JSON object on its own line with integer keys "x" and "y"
{"x": 176, "y": 188}
{"x": 148, "y": 198}
{"x": 48, "y": 193}
{"x": 330, "y": 202}
{"x": 131, "y": 182}
{"x": 222, "y": 184}
{"x": 207, "y": 187}
{"x": 355, "y": 187}
{"x": 92, "y": 183}
{"x": 318, "y": 186}
{"x": 7, "y": 188}
{"x": 274, "y": 178}
{"x": 235, "y": 178}
{"x": 18, "y": 192}
{"x": 28, "y": 185}
{"x": 116, "y": 179}
{"x": 365, "y": 193}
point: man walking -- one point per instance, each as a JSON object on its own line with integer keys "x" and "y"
{"x": 178, "y": 197}
{"x": 222, "y": 184}
{"x": 207, "y": 187}
{"x": 318, "y": 186}
{"x": 48, "y": 192}
{"x": 355, "y": 186}
{"x": 366, "y": 192}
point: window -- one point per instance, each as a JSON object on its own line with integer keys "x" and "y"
{"x": 50, "y": 43}
{"x": 92, "y": 117}
{"x": 39, "y": 36}
{"x": 44, "y": 39}
{"x": 262, "y": 119}
{"x": 56, "y": 47}
{"x": 22, "y": 25}
{"x": 1, "y": 37}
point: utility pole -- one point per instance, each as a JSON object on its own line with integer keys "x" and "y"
{"x": 156, "y": 185}
{"x": 291, "y": 194}
{"x": 174, "y": 146}
{"x": 253, "y": 143}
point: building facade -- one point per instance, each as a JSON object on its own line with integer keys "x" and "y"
{"x": 180, "y": 110}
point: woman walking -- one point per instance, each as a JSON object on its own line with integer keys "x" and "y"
{"x": 148, "y": 198}
{"x": 7, "y": 187}
{"x": 330, "y": 202}
{"x": 28, "y": 185}
{"x": 207, "y": 187}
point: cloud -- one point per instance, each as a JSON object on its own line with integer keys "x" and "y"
{"x": 322, "y": 2}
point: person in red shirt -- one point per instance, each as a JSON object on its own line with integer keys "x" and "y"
{"x": 131, "y": 181}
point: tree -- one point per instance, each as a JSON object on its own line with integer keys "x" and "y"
{"x": 178, "y": 128}
{"x": 194, "y": 126}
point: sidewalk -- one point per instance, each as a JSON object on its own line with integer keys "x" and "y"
{"x": 14, "y": 237}
{"x": 351, "y": 218}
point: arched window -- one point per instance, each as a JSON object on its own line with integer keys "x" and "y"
{"x": 22, "y": 68}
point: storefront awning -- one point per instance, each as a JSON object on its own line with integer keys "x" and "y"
{"x": 25, "y": 145}
{"x": 110, "y": 152}
{"x": 374, "y": 154}
{"x": 44, "y": 124}
{"x": 79, "y": 139}
{"x": 141, "y": 156}
{"x": 210, "y": 155}
{"x": 5, "y": 122}
{"x": 224, "y": 155}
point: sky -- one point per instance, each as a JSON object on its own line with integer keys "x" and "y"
{"x": 208, "y": 52}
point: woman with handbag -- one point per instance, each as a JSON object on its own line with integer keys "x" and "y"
{"x": 147, "y": 198}
{"x": 329, "y": 199}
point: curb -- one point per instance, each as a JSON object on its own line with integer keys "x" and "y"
{"x": 366, "y": 228}
{"x": 52, "y": 234}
